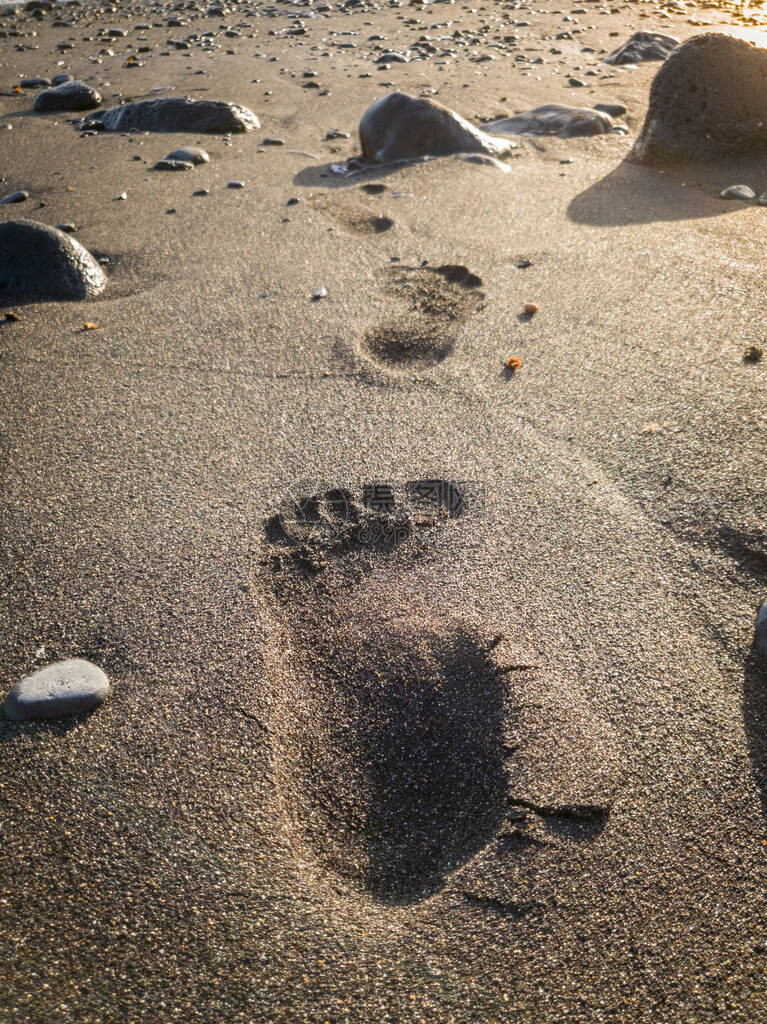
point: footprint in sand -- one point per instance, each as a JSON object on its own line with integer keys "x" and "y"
{"x": 394, "y": 724}
{"x": 440, "y": 300}
{"x": 351, "y": 216}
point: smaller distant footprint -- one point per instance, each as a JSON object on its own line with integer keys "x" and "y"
{"x": 351, "y": 216}
{"x": 440, "y": 300}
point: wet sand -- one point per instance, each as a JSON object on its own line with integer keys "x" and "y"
{"x": 494, "y": 751}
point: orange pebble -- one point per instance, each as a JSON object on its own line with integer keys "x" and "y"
{"x": 514, "y": 364}
{"x": 89, "y": 326}
{"x": 530, "y": 307}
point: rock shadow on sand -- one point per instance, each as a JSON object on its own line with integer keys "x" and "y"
{"x": 634, "y": 194}
{"x": 755, "y": 718}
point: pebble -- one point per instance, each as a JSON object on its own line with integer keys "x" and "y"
{"x": 66, "y": 688}
{"x": 66, "y": 228}
{"x": 272, "y": 142}
{"x": 321, "y": 293}
{"x": 14, "y": 197}
{"x": 612, "y": 109}
{"x": 189, "y": 155}
{"x": 235, "y": 184}
{"x": 530, "y": 308}
{"x": 738, "y": 192}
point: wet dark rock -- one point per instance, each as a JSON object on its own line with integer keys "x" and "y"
{"x": 34, "y": 83}
{"x": 60, "y": 79}
{"x": 67, "y": 96}
{"x": 707, "y": 102}
{"x": 39, "y": 262}
{"x": 173, "y": 114}
{"x": 555, "y": 119}
{"x": 643, "y": 46}
{"x": 400, "y": 127}
{"x": 14, "y": 197}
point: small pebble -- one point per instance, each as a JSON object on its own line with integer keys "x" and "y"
{"x": 321, "y": 293}
{"x": 753, "y": 354}
{"x": 14, "y": 197}
{"x": 738, "y": 192}
{"x": 530, "y": 308}
{"x": 272, "y": 142}
{"x": 235, "y": 184}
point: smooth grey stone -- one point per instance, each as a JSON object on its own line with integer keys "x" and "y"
{"x": 555, "y": 119}
{"x": 401, "y": 127}
{"x": 643, "y": 46}
{"x": 760, "y": 635}
{"x": 68, "y": 229}
{"x": 613, "y": 109}
{"x": 393, "y": 58}
{"x": 272, "y": 142}
{"x": 738, "y": 192}
{"x": 66, "y": 688}
{"x": 39, "y": 262}
{"x": 576, "y": 83}
{"x": 67, "y": 96}
{"x": 174, "y": 165}
{"x": 189, "y": 155}
{"x": 707, "y": 102}
{"x": 60, "y": 79}
{"x": 235, "y": 184}
{"x": 35, "y": 83}
{"x": 14, "y": 197}
{"x": 173, "y": 114}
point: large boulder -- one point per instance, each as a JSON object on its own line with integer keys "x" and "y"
{"x": 643, "y": 46}
{"x": 707, "y": 102}
{"x": 555, "y": 119}
{"x": 67, "y": 96}
{"x": 40, "y": 262}
{"x": 400, "y": 127}
{"x": 175, "y": 114}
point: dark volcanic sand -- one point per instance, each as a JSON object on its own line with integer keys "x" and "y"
{"x": 497, "y": 755}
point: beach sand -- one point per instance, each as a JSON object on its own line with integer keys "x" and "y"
{"x": 505, "y": 763}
